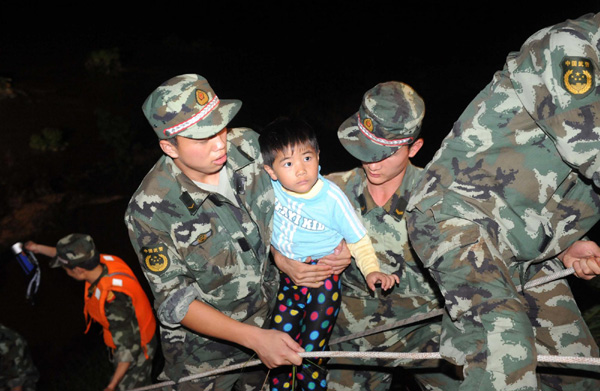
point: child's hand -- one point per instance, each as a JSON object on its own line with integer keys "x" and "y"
{"x": 387, "y": 280}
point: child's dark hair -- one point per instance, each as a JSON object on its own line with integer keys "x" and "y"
{"x": 284, "y": 133}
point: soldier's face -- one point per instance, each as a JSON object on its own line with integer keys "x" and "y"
{"x": 74, "y": 273}
{"x": 392, "y": 168}
{"x": 297, "y": 169}
{"x": 200, "y": 159}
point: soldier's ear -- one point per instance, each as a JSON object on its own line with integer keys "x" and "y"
{"x": 414, "y": 147}
{"x": 169, "y": 149}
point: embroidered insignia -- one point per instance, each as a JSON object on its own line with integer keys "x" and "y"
{"x": 156, "y": 259}
{"x": 201, "y": 97}
{"x": 110, "y": 297}
{"x": 398, "y": 208}
{"x": 368, "y": 123}
{"x": 578, "y": 76}
{"x": 362, "y": 203}
{"x": 189, "y": 202}
{"x": 202, "y": 238}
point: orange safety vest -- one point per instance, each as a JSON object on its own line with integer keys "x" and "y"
{"x": 120, "y": 278}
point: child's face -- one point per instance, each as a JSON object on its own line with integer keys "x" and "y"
{"x": 297, "y": 169}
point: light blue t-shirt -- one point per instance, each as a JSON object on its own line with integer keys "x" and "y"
{"x": 313, "y": 227}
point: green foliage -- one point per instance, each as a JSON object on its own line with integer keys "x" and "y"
{"x": 116, "y": 132}
{"x": 104, "y": 62}
{"x": 49, "y": 139}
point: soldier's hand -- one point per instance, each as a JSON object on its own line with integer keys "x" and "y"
{"x": 276, "y": 348}
{"x": 584, "y": 257}
{"x": 32, "y": 246}
{"x": 302, "y": 274}
{"x": 339, "y": 260}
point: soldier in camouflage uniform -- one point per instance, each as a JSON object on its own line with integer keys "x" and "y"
{"x": 200, "y": 222}
{"x": 125, "y": 314}
{"x": 17, "y": 370}
{"x": 384, "y": 135}
{"x": 506, "y": 199}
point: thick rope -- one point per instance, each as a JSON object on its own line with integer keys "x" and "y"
{"x": 391, "y": 355}
{"x": 551, "y": 277}
{"x": 365, "y": 355}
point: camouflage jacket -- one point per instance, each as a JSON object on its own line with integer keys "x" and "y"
{"x": 124, "y": 328}
{"x": 363, "y": 309}
{"x": 522, "y": 159}
{"x": 16, "y": 365}
{"x": 196, "y": 245}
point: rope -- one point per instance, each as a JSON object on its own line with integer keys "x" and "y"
{"x": 391, "y": 355}
{"x": 364, "y": 355}
{"x": 551, "y": 277}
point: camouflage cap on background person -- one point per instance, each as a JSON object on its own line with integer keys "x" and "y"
{"x": 74, "y": 250}
{"x": 389, "y": 117}
{"x": 187, "y": 106}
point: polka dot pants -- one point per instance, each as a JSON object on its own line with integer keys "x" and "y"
{"x": 308, "y": 316}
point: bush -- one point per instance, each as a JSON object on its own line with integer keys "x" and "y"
{"x": 49, "y": 139}
{"x": 105, "y": 62}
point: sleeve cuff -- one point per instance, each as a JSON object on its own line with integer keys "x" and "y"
{"x": 171, "y": 311}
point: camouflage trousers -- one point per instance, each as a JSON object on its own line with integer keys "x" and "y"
{"x": 346, "y": 374}
{"x": 492, "y": 329}
{"x": 140, "y": 372}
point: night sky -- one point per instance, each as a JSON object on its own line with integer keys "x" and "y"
{"x": 312, "y": 61}
{"x": 301, "y": 59}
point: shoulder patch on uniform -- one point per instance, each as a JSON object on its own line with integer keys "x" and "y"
{"x": 156, "y": 259}
{"x": 578, "y": 75}
{"x": 202, "y": 238}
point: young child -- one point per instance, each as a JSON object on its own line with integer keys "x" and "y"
{"x": 312, "y": 215}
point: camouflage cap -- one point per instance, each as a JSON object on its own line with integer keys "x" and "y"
{"x": 390, "y": 116}
{"x": 74, "y": 250}
{"x": 187, "y": 106}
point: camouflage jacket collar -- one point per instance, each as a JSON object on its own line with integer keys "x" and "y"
{"x": 396, "y": 205}
{"x": 95, "y": 283}
{"x": 192, "y": 196}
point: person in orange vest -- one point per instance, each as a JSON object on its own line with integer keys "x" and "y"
{"x": 115, "y": 299}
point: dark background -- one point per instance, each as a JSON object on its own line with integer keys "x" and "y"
{"x": 310, "y": 59}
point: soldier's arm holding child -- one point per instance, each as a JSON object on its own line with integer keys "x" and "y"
{"x": 312, "y": 276}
